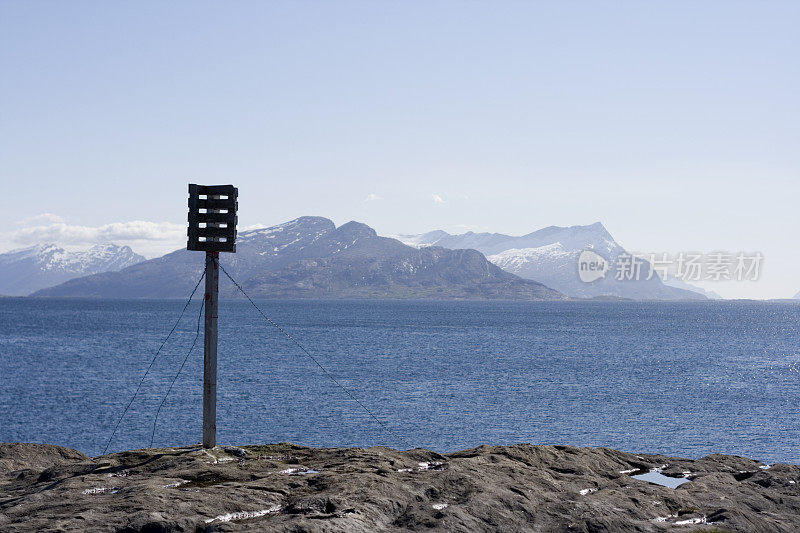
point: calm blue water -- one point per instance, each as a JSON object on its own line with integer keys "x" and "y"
{"x": 680, "y": 378}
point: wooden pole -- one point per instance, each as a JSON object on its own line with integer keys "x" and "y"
{"x": 210, "y": 351}
{"x": 212, "y": 229}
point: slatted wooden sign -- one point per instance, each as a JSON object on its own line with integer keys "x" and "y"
{"x": 212, "y": 218}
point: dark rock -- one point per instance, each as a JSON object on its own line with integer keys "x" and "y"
{"x": 284, "y": 487}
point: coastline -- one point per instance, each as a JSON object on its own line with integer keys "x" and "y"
{"x": 285, "y": 487}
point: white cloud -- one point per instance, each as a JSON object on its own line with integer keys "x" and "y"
{"x": 371, "y": 197}
{"x": 251, "y": 227}
{"x": 62, "y": 232}
{"x": 437, "y": 199}
{"x": 147, "y": 238}
{"x": 44, "y": 218}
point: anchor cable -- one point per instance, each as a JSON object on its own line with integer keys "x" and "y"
{"x": 314, "y": 359}
{"x": 178, "y": 373}
{"x": 150, "y": 366}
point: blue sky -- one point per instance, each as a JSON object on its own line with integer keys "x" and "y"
{"x": 676, "y": 124}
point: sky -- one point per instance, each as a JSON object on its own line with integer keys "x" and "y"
{"x": 675, "y": 124}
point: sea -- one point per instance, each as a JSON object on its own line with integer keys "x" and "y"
{"x": 684, "y": 379}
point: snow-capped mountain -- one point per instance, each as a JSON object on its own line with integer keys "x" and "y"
{"x": 570, "y": 238}
{"x": 550, "y": 256}
{"x": 310, "y": 257}
{"x": 29, "y": 269}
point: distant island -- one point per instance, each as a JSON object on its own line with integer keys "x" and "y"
{"x": 550, "y": 256}
{"x": 310, "y": 257}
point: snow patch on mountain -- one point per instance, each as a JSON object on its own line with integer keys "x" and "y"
{"x": 515, "y": 259}
{"x": 550, "y": 256}
{"x": 418, "y": 241}
{"x": 26, "y": 270}
{"x": 293, "y": 235}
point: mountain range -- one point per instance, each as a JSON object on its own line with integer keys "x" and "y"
{"x": 29, "y": 269}
{"x": 311, "y": 258}
{"x": 550, "y": 256}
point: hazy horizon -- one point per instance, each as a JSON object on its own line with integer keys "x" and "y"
{"x": 674, "y": 125}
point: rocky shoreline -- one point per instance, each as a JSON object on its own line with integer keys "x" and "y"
{"x": 283, "y": 487}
